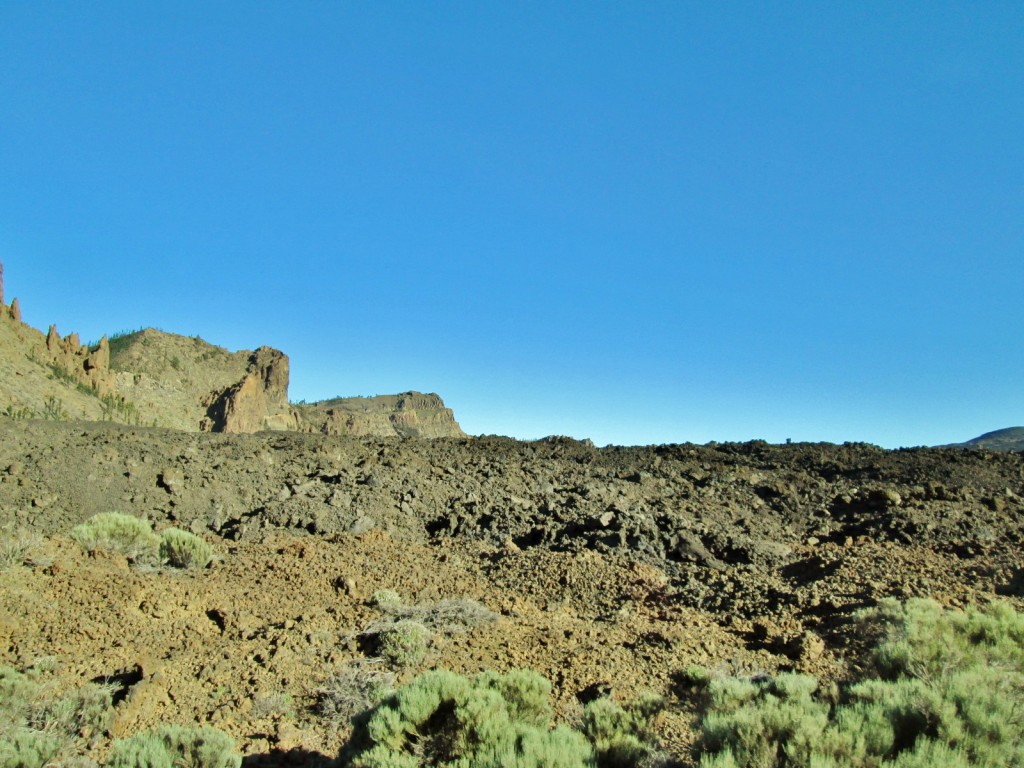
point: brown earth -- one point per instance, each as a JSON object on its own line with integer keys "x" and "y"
{"x": 609, "y": 568}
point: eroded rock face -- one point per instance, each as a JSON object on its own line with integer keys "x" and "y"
{"x": 410, "y": 414}
{"x": 258, "y": 402}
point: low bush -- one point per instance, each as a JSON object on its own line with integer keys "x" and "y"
{"x": 495, "y": 721}
{"x": 621, "y": 735}
{"x": 383, "y": 598}
{"x": 133, "y": 537}
{"x": 948, "y": 690}
{"x": 40, "y": 726}
{"x": 444, "y": 719}
{"x": 182, "y": 549}
{"x": 175, "y": 747}
{"x": 404, "y": 644}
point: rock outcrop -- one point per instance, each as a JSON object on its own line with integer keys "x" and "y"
{"x": 410, "y": 414}
{"x": 258, "y": 402}
{"x": 86, "y": 365}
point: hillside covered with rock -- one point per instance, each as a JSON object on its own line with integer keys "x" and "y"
{"x": 150, "y": 377}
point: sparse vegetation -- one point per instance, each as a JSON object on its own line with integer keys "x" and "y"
{"x": 19, "y": 413}
{"x": 354, "y": 688}
{"x": 176, "y": 747}
{"x": 182, "y": 549}
{"x": 115, "y": 406}
{"x": 450, "y": 616}
{"x": 39, "y": 725}
{"x": 15, "y": 545}
{"x": 383, "y": 598}
{"x": 133, "y": 537}
{"x": 949, "y": 691}
{"x": 53, "y": 409}
{"x": 403, "y": 635}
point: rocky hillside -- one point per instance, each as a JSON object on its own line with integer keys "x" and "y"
{"x": 154, "y": 378}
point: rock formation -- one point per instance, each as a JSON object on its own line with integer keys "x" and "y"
{"x": 258, "y": 402}
{"x": 410, "y": 414}
{"x": 149, "y": 377}
{"x": 85, "y": 365}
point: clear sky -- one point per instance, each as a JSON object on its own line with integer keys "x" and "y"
{"x": 635, "y": 222}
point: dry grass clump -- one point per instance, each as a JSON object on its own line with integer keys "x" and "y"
{"x": 352, "y": 689}
{"x": 446, "y": 617}
{"x": 15, "y": 545}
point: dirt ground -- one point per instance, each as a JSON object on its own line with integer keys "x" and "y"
{"x": 609, "y": 569}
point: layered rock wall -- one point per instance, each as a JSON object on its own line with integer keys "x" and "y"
{"x": 258, "y": 402}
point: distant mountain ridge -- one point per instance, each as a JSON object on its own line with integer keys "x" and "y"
{"x": 1009, "y": 439}
{"x": 153, "y": 378}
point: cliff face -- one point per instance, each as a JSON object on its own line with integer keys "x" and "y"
{"x": 258, "y": 402}
{"x": 410, "y": 414}
{"x": 153, "y": 378}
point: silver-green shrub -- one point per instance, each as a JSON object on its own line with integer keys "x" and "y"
{"x": 182, "y": 549}
{"x": 948, "y": 689}
{"x": 621, "y": 734}
{"x": 444, "y": 719}
{"x": 175, "y": 746}
{"x": 404, "y": 644}
{"x": 40, "y": 726}
{"x": 133, "y": 537}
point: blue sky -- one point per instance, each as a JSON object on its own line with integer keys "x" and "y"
{"x": 634, "y": 222}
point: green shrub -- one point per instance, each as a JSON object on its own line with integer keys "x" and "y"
{"x": 403, "y": 634}
{"x": 621, "y": 735}
{"x": 404, "y": 644}
{"x": 131, "y": 536}
{"x": 182, "y": 549}
{"x": 175, "y": 747}
{"x": 949, "y": 691}
{"x": 443, "y": 719}
{"x": 27, "y": 748}
{"x": 39, "y": 725}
